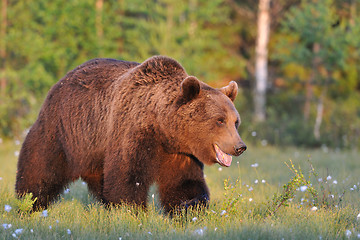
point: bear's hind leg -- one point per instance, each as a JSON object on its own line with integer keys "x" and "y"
{"x": 42, "y": 170}
{"x": 95, "y": 181}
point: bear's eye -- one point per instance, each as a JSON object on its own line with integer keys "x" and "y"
{"x": 237, "y": 123}
{"x": 220, "y": 121}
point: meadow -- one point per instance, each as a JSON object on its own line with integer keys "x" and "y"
{"x": 267, "y": 193}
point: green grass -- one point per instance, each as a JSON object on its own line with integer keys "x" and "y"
{"x": 240, "y": 210}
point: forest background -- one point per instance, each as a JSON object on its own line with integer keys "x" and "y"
{"x": 312, "y": 72}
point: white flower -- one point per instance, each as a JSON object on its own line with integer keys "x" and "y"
{"x": 250, "y": 199}
{"x": 149, "y": 233}
{"x": 250, "y": 189}
{"x": 1, "y": 178}
{"x": 153, "y": 196}
{"x": 253, "y": 133}
{"x": 320, "y": 180}
{"x": 255, "y": 165}
{"x": 328, "y": 178}
{"x": 358, "y": 217}
{"x": 16, "y": 153}
{"x": 50, "y": 227}
{"x": 194, "y": 219}
{"x": 44, "y": 213}
{"x": 220, "y": 169}
{"x": 314, "y": 209}
{"x": 8, "y": 208}
{"x": 19, "y": 231}
{"x": 347, "y": 233}
{"x": 264, "y": 142}
{"x": 6, "y": 226}
{"x": 263, "y": 181}
{"x": 17, "y": 142}
{"x": 66, "y": 191}
{"x": 355, "y": 187}
{"x": 222, "y": 212}
{"x": 31, "y": 230}
{"x": 256, "y": 181}
{"x": 358, "y": 236}
{"x": 334, "y": 182}
{"x": 199, "y": 232}
{"x": 14, "y": 235}
{"x": 303, "y": 188}
{"x": 137, "y": 184}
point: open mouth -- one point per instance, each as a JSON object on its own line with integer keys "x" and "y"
{"x": 222, "y": 158}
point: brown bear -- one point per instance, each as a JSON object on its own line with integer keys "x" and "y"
{"x": 122, "y": 126}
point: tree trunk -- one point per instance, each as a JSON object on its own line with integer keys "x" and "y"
{"x": 261, "y": 71}
{"x": 319, "y": 115}
{"x": 309, "y": 83}
{"x": 98, "y": 24}
{"x": 308, "y": 96}
{"x": 3, "y": 46}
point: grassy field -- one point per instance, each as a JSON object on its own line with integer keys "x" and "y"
{"x": 321, "y": 200}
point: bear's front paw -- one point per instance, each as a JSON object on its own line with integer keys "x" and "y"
{"x": 197, "y": 201}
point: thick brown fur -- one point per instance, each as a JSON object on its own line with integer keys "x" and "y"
{"x": 122, "y": 126}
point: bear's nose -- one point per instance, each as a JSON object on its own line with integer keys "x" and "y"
{"x": 239, "y": 149}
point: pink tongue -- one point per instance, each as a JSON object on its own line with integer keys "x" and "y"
{"x": 223, "y": 158}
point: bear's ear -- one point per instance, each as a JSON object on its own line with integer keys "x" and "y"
{"x": 230, "y": 90}
{"x": 190, "y": 87}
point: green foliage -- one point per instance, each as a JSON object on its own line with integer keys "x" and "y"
{"x": 232, "y": 196}
{"x": 318, "y": 196}
{"x": 189, "y": 31}
{"x": 309, "y": 24}
{"x": 289, "y": 190}
{"x": 46, "y": 39}
{"x": 26, "y": 203}
{"x": 316, "y": 50}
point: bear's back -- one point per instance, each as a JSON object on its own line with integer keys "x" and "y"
{"x": 97, "y": 73}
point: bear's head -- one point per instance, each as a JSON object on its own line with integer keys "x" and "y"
{"x": 209, "y": 121}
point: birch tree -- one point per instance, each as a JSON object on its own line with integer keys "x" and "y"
{"x": 261, "y": 60}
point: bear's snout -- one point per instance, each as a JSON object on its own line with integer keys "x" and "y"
{"x": 240, "y": 148}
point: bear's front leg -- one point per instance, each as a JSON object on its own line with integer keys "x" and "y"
{"x": 184, "y": 195}
{"x": 127, "y": 178}
{"x": 182, "y": 184}
{"x": 200, "y": 200}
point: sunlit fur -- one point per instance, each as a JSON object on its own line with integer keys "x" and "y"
{"x": 121, "y": 126}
